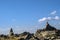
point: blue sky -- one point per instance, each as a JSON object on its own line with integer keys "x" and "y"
{"x": 23, "y": 15}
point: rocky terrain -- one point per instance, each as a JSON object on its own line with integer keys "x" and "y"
{"x": 48, "y": 33}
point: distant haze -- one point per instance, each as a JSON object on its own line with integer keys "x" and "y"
{"x": 28, "y": 15}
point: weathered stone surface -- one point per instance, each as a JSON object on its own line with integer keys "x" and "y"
{"x": 48, "y": 33}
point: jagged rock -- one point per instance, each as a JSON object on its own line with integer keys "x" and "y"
{"x": 29, "y": 36}
{"x": 47, "y": 33}
{"x": 49, "y": 27}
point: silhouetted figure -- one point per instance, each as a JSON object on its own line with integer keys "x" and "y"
{"x": 49, "y": 27}
{"x": 11, "y": 32}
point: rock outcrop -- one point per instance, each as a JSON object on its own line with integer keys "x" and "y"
{"x": 49, "y": 27}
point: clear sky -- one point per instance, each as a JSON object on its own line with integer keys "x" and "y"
{"x": 23, "y": 15}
